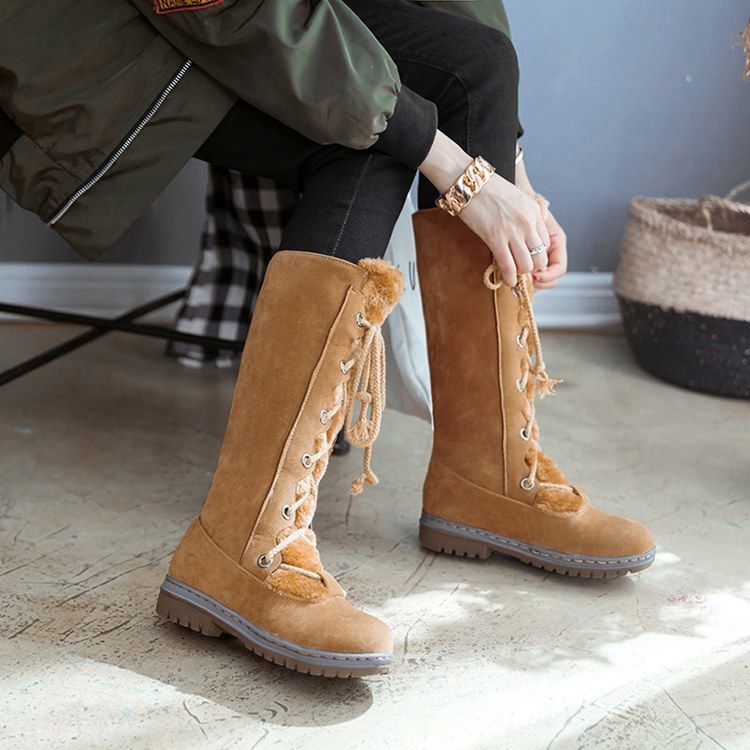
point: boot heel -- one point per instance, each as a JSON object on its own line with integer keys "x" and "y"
{"x": 175, "y": 610}
{"x": 451, "y": 544}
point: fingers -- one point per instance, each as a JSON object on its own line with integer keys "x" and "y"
{"x": 553, "y": 272}
{"x": 506, "y": 266}
{"x": 520, "y": 251}
{"x": 545, "y": 285}
{"x": 536, "y": 235}
{"x": 542, "y": 259}
{"x": 535, "y": 239}
{"x": 539, "y": 261}
{"x": 515, "y": 258}
{"x": 557, "y": 256}
{"x": 548, "y": 277}
{"x": 558, "y": 261}
{"x": 543, "y": 232}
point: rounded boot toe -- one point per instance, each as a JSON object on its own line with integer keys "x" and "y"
{"x": 356, "y": 632}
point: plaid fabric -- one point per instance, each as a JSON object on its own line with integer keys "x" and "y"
{"x": 246, "y": 217}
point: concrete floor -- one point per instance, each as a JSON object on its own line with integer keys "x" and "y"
{"x": 106, "y": 455}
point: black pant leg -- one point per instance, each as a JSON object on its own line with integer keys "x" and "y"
{"x": 350, "y": 199}
{"x": 468, "y": 69}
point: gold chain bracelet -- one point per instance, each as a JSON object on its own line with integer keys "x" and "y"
{"x": 474, "y": 178}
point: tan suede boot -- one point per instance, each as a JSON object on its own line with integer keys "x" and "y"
{"x": 249, "y": 565}
{"x": 489, "y": 487}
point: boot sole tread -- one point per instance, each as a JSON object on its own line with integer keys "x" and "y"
{"x": 192, "y": 609}
{"x": 447, "y": 537}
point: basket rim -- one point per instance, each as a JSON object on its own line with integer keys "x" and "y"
{"x": 648, "y": 208}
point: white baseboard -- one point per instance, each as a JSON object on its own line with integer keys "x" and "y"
{"x": 582, "y": 300}
{"x": 101, "y": 289}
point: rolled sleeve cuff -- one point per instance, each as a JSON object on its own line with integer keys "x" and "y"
{"x": 411, "y": 129}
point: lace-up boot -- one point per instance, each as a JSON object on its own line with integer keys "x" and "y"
{"x": 249, "y": 565}
{"x": 489, "y": 487}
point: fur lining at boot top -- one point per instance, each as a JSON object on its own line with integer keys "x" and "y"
{"x": 382, "y": 288}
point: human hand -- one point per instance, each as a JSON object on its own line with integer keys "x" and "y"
{"x": 505, "y": 217}
{"x": 557, "y": 255}
{"x": 510, "y": 223}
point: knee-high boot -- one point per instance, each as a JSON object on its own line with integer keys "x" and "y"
{"x": 489, "y": 487}
{"x": 249, "y": 565}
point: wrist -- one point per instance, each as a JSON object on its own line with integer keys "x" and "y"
{"x": 522, "y": 179}
{"x": 445, "y": 162}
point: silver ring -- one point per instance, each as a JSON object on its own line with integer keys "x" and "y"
{"x": 538, "y": 249}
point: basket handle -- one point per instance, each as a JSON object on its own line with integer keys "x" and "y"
{"x": 708, "y": 202}
{"x": 704, "y": 204}
{"x": 737, "y": 189}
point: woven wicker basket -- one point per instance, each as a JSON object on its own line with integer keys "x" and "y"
{"x": 683, "y": 285}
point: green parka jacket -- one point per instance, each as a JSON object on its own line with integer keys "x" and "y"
{"x": 101, "y": 104}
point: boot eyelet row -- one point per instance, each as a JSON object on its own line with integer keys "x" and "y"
{"x": 264, "y": 561}
{"x": 527, "y": 484}
{"x": 360, "y": 320}
{"x": 306, "y": 460}
{"x": 286, "y": 512}
{"x": 525, "y": 434}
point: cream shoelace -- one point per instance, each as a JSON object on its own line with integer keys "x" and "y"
{"x": 534, "y": 371}
{"x": 365, "y": 387}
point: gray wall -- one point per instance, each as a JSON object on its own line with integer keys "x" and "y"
{"x": 627, "y": 97}
{"x": 619, "y": 98}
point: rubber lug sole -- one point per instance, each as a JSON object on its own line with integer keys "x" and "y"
{"x": 451, "y": 538}
{"x": 190, "y": 608}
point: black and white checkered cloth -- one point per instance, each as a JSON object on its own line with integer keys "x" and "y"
{"x": 246, "y": 217}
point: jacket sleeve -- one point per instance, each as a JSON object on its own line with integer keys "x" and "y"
{"x": 312, "y": 64}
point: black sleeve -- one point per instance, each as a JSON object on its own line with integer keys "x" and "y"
{"x": 9, "y": 133}
{"x": 411, "y": 129}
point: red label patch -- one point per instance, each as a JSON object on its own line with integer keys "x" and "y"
{"x": 172, "y": 6}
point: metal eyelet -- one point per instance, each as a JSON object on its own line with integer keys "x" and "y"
{"x": 264, "y": 561}
{"x": 515, "y": 293}
{"x": 520, "y": 385}
{"x": 525, "y": 434}
{"x": 306, "y": 460}
{"x": 286, "y": 511}
{"x": 323, "y": 416}
{"x": 528, "y": 484}
{"x": 343, "y": 367}
{"x": 520, "y": 341}
{"x": 360, "y": 320}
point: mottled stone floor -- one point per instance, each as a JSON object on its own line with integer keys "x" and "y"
{"x": 106, "y": 455}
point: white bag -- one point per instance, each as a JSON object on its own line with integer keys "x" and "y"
{"x": 408, "y": 389}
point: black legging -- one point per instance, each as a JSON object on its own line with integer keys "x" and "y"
{"x": 351, "y": 199}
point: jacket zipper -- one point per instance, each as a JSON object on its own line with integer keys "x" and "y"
{"x": 122, "y": 148}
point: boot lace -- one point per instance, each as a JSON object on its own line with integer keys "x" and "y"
{"x": 366, "y": 387}
{"x": 534, "y": 379}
